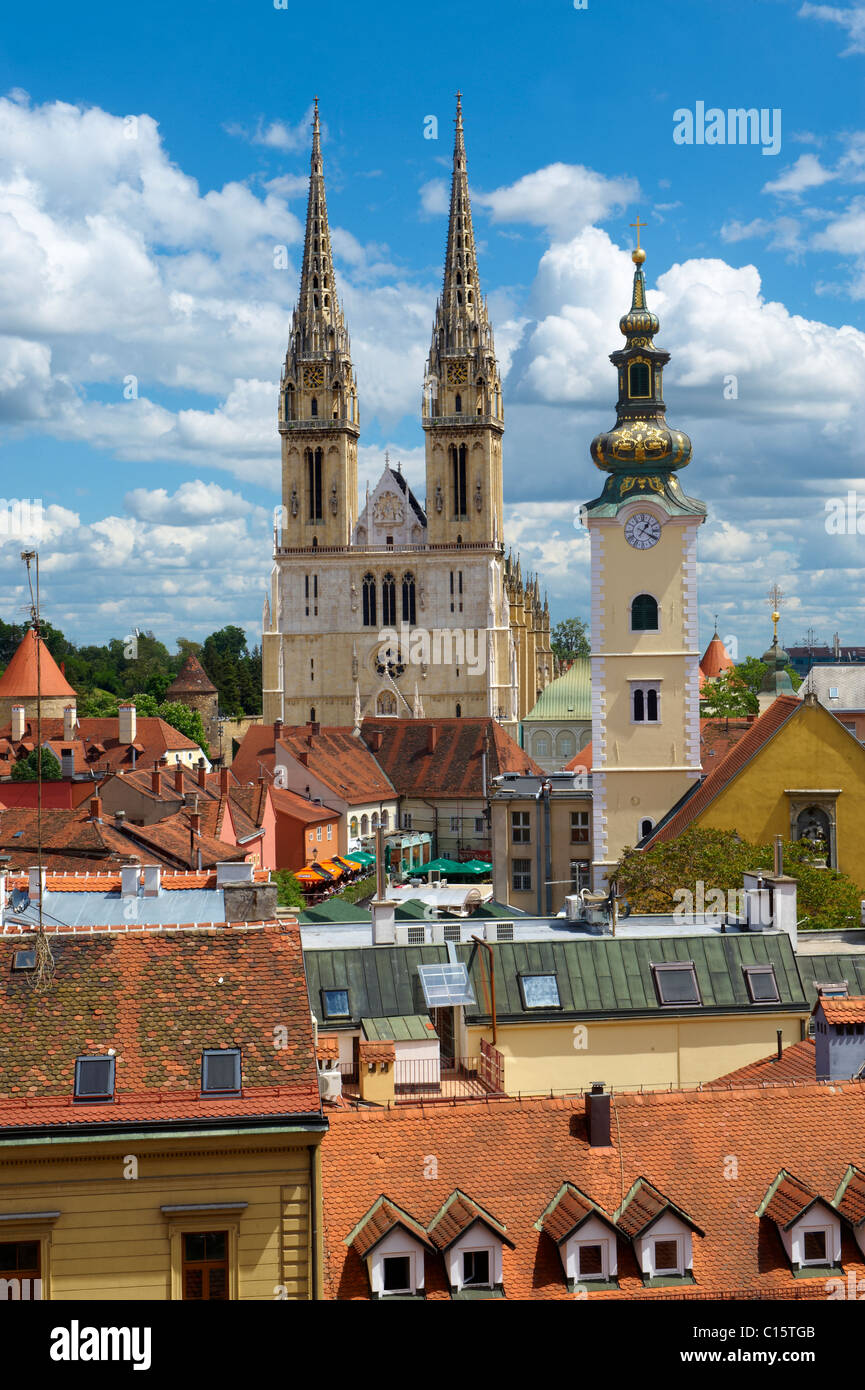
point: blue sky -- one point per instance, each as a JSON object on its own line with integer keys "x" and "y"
{"x": 151, "y": 158}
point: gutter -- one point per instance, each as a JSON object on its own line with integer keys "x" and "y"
{"x": 184, "y": 1129}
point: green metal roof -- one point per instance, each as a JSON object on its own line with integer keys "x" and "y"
{"x": 832, "y": 968}
{"x": 412, "y": 910}
{"x": 567, "y": 697}
{"x": 498, "y": 910}
{"x": 333, "y": 910}
{"x": 613, "y": 977}
{"x": 382, "y": 982}
{"x": 399, "y": 1027}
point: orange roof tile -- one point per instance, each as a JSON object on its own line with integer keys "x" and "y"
{"x": 836, "y": 1011}
{"x": 191, "y": 679}
{"x": 458, "y": 1214}
{"x": 455, "y": 766}
{"x": 382, "y": 1218}
{"x": 716, "y": 659}
{"x": 796, "y": 1063}
{"x": 787, "y": 1199}
{"x": 582, "y": 759}
{"x": 20, "y": 679}
{"x": 849, "y": 1200}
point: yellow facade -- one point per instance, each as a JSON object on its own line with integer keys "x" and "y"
{"x": 664, "y": 1052}
{"x": 111, "y": 1239}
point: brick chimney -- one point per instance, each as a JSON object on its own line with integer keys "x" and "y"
{"x": 223, "y": 781}
{"x": 96, "y": 808}
{"x": 303, "y": 756}
{"x": 178, "y": 778}
{"x": 195, "y": 823}
{"x": 373, "y": 740}
{"x": 127, "y": 719}
{"x": 598, "y": 1116}
{"x": 155, "y": 780}
{"x": 314, "y": 728}
{"x": 202, "y": 774}
{"x": 17, "y": 723}
{"x": 432, "y": 735}
{"x": 69, "y": 723}
{"x": 277, "y": 730}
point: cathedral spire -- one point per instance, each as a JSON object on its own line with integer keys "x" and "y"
{"x": 318, "y": 324}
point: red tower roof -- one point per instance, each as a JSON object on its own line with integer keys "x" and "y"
{"x": 20, "y": 679}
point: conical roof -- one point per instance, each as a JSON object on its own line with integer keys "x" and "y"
{"x": 191, "y": 679}
{"x": 716, "y": 659}
{"x": 19, "y": 680}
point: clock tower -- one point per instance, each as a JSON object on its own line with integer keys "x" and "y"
{"x": 645, "y": 652}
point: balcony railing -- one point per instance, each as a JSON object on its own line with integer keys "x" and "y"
{"x": 465, "y": 419}
{"x": 319, "y": 422}
{"x": 498, "y": 549}
{"x": 438, "y": 1079}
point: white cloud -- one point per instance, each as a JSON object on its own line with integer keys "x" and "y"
{"x": 807, "y": 172}
{"x": 434, "y": 198}
{"x": 853, "y": 20}
{"x": 561, "y": 197}
{"x": 278, "y": 135}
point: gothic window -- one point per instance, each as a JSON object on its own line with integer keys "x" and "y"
{"x": 327, "y": 301}
{"x": 315, "y": 282}
{"x": 459, "y": 711}
{"x": 458, "y": 479}
{"x": 388, "y": 600}
{"x": 364, "y": 825}
{"x": 310, "y": 594}
{"x": 312, "y": 714}
{"x": 459, "y": 296}
{"x": 369, "y": 619}
{"x": 645, "y": 702}
{"x": 289, "y": 402}
{"x": 408, "y": 599}
{"x": 313, "y": 484}
{"x": 386, "y": 704}
{"x": 644, "y": 614}
{"x": 313, "y": 407}
{"x": 459, "y": 278}
{"x": 469, "y": 296}
{"x": 639, "y": 381}
{"x": 456, "y": 591}
{"x": 315, "y": 301}
{"x": 639, "y": 706}
{"x": 458, "y": 405}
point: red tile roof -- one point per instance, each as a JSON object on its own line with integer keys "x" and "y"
{"x": 458, "y": 1214}
{"x": 20, "y": 679}
{"x": 191, "y": 679}
{"x": 643, "y": 1206}
{"x": 97, "y": 745}
{"x": 157, "y": 998}
{"x": 849, "y": 1200}
{"x": 716, "y": 659}
{"x": 582, "y": 759}
{"x": 784, "y": 708}
{"x": 568, "y": 1211}
{"x": 256, "y": 754}
{"x": 287, "y": 803}
{"x": 454, "y": 766}
{"x": 837, "y": 1011}
{"x": 73, "y": 840}
{"x": 786, "y": 1199}
{"x": 718, "y": 736}
{"x": 341, "y": 760}
{"x": 382, "y": 1218}
{"x": 796, "y": 1063}
{"x": 513, "y": 1156}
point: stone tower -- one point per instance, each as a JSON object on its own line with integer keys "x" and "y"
{"x": 193, "y": 687}
{"x": 645, "y": 654}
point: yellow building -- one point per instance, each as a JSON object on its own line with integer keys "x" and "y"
{"x": 541, "y": 830}
{"x": 645, "y": 657}
{"x": 159, "y": 1116}
{"x": 797, "y": 773}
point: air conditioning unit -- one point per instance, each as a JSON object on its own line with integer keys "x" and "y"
{"x": 573, "y": 906}
{"x": 330, "y": 1084}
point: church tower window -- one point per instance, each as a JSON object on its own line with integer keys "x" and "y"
{"x": 639, "y": 381}
{"x": 289, "y": 402}
{"x": 313, "y": 407}
{"x": 369, "y": 619}
{"x": 408, "y": 599}
{"x": 388, "y": 600}
{"x": 458, "y": 404}
{"x": 314, "y": 485}
{"x": 644, "y": 614}
{"x": 645, "y": 702}
{"x": 458, "y": 472}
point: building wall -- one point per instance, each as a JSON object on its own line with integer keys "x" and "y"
{"x": 111, "y": 1241}
{"x": 667, "y": 1051}
{"x": 561, "y": 738}
{"x": 563, "y": 850}
{"x": 434, "y": 814}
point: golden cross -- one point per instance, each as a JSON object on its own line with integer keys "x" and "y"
{"x": 638, "y": 224}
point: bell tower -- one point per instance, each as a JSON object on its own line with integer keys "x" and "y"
{"x": 463, "y": 415}
{"x": 645, "y": 652}
{"x": 318, "y": 415}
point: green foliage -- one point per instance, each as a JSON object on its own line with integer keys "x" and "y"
{"x": 27, "y": 770}
{"x": 288, "y": 891}
{"x": 187, "y": 721}
{"x": 234, "y": 670}
{"x": 751, "y": 671}
{"x": 718, "y": 859}
{"x": 728, "y": 697}
{"x": 98, "y": 704}
{"x": 569, "y": 639}
{"x": 356, "y": 892}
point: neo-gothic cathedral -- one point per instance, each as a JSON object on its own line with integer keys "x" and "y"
{"x": 400, "y": 607}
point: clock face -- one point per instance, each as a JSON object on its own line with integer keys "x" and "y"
{"x": 642, "y": 531}
{"x": 458, "y": 373}
{"x": 313, "y": 376}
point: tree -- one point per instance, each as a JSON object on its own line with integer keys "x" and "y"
{"x": 288, "y": 891}
{"x": 146, "y": 705}
{"x": 751, "y": 671}
{"x": 651, "y": 879}
{"x": 97, "y": 704}
{"x": 186, "y": 721}
{"x": 570, "y": 639}
{"x": 728, "y": 697}
{"x": 27, "y": 770}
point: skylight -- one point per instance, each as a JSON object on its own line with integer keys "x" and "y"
{"x": 94, "y": 1078}
{"x": 220, "y": 1071}
{"x": 24, "y": 960}
{"x": 762, "y": 985}
{"x": 833, "y": 692}
{"x": 334, "y": 1003}
{"x": 445, "y": 986}
{"x": 676, "y": 983}
{"x": 540, "y": 992}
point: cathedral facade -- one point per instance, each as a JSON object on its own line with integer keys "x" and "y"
{"x": 396, "y": 607}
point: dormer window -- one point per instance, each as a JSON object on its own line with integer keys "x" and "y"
{"x": 94, "y": 1078}
{"x": 220, "y": 1071}
{"x": 762, "y": 985}
{"x": 808, "y": 1226}
{"x": 393, "y": 1246}
{"x": 661, "y": 1232}
{"x": 471, "y": 1241}
{"x": 586, "y": 1238}
{"x": 676, "y": 983}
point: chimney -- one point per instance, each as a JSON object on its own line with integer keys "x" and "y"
{"x": 598, "y": 1116}
{"x": 303, "y": 756}
{"x": 129, "y": 876}
{"x": 152, "y": 873}
{"x": 277, "y": 730}
{"x": 314, "y": 728}
{"x": 96, "y": 808}
{"x": 779, "y": 1034}
{"x": 67, "y": 762}
{"x": 195, "y": 823}
{"x": 202, "y": 774}
{"x": 17, "y": 723}
{"x": 432, "y": 735}
{"x": 223, "y": 781}
{"x": 155, "y": 781}
{"x": 69, "y": 722}
{"x": 178, "y": 778}
{"x": 36, "y": 881}
{"x": 839, "y": 1045}
{"x": 373, "y": 740}
{"x": 119, "y": 819}
{"x": 127, "y": 719}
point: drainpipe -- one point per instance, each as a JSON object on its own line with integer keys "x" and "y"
{"x": 313, "y": 1201}
{"x": 489, "y": 950}
{"x": 435, "y": 811}
{"x": 538, "y": 795}
{"x": 548, "y": 849}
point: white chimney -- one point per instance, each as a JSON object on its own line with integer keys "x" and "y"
{"x": 152, "y": 873}
{"x": 234, "y": 871}
{"x": 69, "y": 722}
{"x": 36, "y": 879}
{"x": 67, "y": 762}
{"x": 383, "y": 923}
{"x": 126, "y": 715}
{"x": 2, "y": 897}
{"x": 17, "y": 723}
{"x": 129, "y": 876}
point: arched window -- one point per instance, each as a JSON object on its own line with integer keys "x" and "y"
{"x": 458, "y": 480}
{"x": 646, "y": 827}
{"x": 375, "y": 820}
{"x": 315, "y": 282}
{"x": 314, "y": 484}
{"x": 385, "y": 820}
{"x": 312, "y": 714}
{"x": 388, "y": 600}
{"x": 364, "y": 825}
{"x": 639, "y": 706}
{"x": 652, "y": 706}
{"x": 459, "y": 278}
{"x": 639, "y": 381}
{"x": 353, "y": 827}
{"x": 313, "y": 407}
{"x": 459, "y": 711}
{"x": 644, "y": 614}
{"x": 327, "y": 301}
{"x": 289, "y": 402}
{"x": 458, "y": 404}
{"x": 408, "y": 599}
{"x": 369, "y": 617}
{"x": 386, "y": 703}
